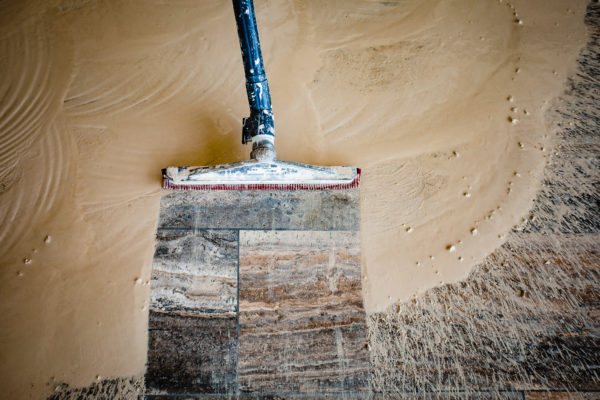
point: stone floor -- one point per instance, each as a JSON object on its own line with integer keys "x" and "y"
{"x": 257, "y": 294}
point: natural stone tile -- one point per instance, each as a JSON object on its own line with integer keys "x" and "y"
{"x": 542, "y": 395}
{"x": 574, "y": 209}
{"x": 195, "y": 272}
{"x": 315, "y": 275}
{"x": 192, "y": 327}
{"x": 302, "y": 324}
{"x": 304, "y": 361}
{"x": 261, "y": 209}
{"x": 190, "y": 354}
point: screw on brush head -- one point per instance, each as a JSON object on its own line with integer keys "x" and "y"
{"x": 263, "y": 148}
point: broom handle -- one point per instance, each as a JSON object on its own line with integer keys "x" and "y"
{"x": 260, "y": 121}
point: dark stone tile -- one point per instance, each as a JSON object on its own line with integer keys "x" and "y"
{"x": 190, "y": 354}
{"x": 302, "y": 324}
{"x": 547, "y": 359}
{"x": 546, "y": 395}
{"x": 261, "y": 209}
{"x": 458, "y": 395}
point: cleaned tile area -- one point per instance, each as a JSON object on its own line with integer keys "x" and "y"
{"x": 258, "y": 294}
{"x": 261, "y": 209}
{"x": 193, "y": 306}
{"x": 195, "y": 272}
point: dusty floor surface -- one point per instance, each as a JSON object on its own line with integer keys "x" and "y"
{"x": 442, "y": 103}
{"x": 528, "y": 317}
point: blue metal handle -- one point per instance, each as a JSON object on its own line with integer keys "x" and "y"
{"x": 260, "y": 121}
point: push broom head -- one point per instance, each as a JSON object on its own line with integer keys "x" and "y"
{"x": 261, "y": 175}
{"x": 263, "y": 171}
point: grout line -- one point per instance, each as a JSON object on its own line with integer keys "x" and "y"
{"x": 237, "y": 320}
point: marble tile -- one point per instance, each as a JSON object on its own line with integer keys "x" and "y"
{"x": 195, "y": 272}
{"x": 548, "y": 395}
{"x": 261, "y": 209}
{"x": 193, "y": 313}
{"x": 302, "y": 323}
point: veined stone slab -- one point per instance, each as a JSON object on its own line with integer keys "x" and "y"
{"x": 302, "y": 323}
{"x": 193, "y": 313}
{"x": 261, "y": 209}
{"x": 194, "y": 272}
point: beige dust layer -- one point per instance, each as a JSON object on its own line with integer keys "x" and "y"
{"x": 440, "y": 102}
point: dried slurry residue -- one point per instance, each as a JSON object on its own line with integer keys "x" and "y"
{"x": 440, "y": 102}
{"x": 528, "y": 316}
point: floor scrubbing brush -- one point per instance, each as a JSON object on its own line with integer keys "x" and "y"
{"x": 263, "y": 170}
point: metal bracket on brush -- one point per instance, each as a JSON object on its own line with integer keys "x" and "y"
{"x": 259, "y": 127}
{"x": 260, "y": 121}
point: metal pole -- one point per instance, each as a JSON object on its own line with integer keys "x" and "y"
{"x": 258, "y": 128}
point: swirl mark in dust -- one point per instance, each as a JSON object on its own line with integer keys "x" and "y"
{"x": 24, "y": 96}
{"x": 32, "y": 153}
{"x": 40, "y": 185}
{"x": 128, "y": 77}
